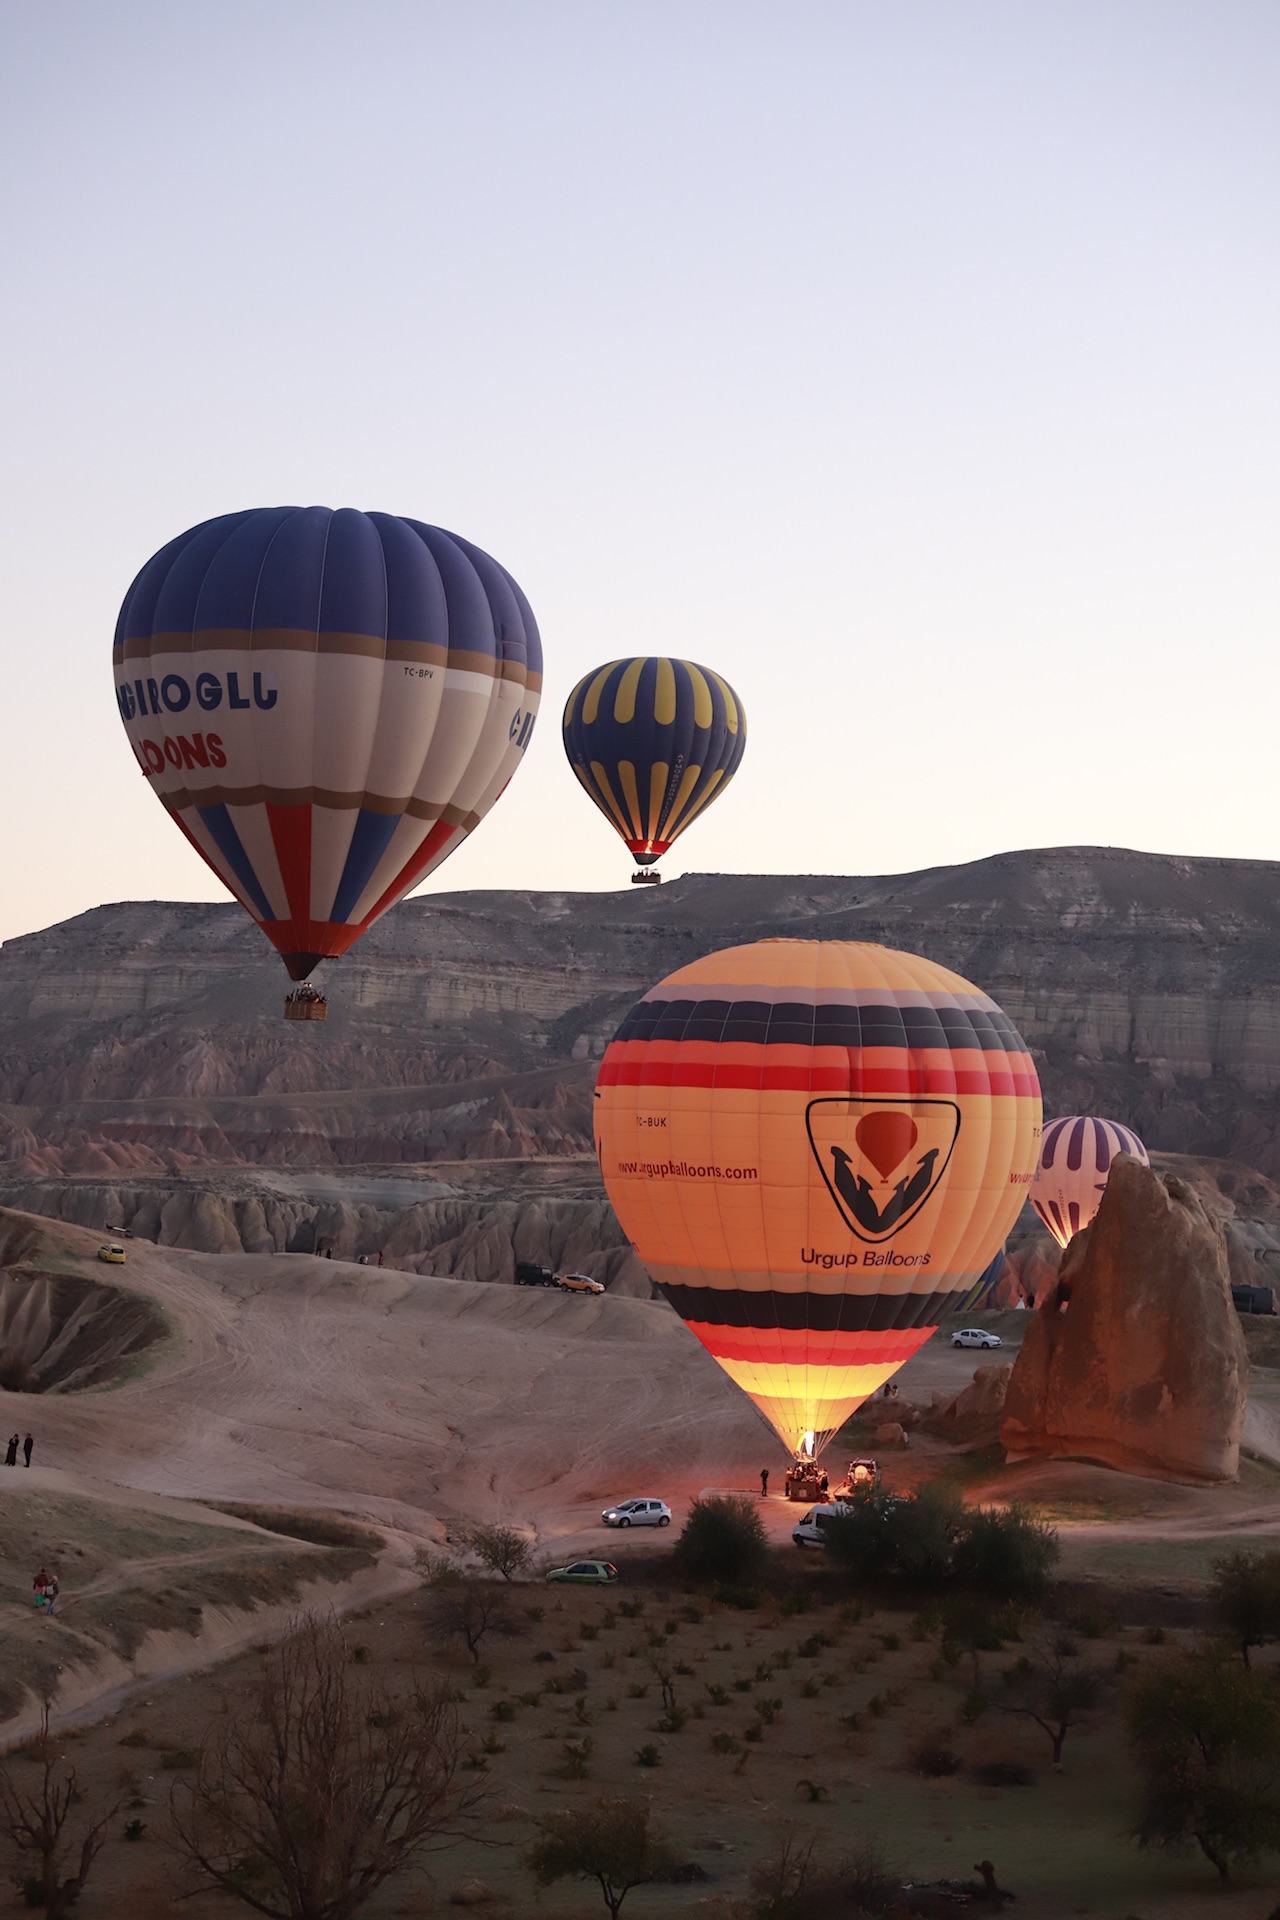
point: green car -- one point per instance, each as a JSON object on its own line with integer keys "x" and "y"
{"x": 585, "y": 1573}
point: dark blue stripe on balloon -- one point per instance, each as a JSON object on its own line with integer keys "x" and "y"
{"x": 369, "y": 842}
{"x": 231, "y": 847}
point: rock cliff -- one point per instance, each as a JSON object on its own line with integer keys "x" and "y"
{"x": 147, "y": 1037}
{"x": 1135, "y": 1358}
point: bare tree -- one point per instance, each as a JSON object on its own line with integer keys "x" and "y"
{"x": 37, "y": 1824}
{"x": 503, "y": 1550}
{"x": 1054, "y": 1688}
{"x": 466, "y": 1609}
{"x": 322, "y": 1786}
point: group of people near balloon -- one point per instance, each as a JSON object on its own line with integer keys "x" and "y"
{"x": 328, "y": 703}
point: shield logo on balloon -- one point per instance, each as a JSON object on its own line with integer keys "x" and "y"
{"x": 881, "y": 1159}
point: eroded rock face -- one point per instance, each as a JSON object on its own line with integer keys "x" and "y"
{"x": 60, "y": 1333}
{"x": 1135, "y": 1359}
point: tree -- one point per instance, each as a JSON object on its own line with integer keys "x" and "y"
{"x": 1053, "y": 1687}
{"x": 1005, "y": 1554}
{"x": 886, "y": 1535}
{"x": 723, "y": 1539}
{"x": 1244, "y": 1595}
{"x": 614, "y": 1843}
{"x": 1205, "y": 1734}
{"x": 503, "y": 1550}
{"x": 37, "y": 1824}
{"x": 322, "y": 1786}
{"x": 462, "y": 1608}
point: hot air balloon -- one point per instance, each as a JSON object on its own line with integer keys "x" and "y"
{"x": 653, "y": 741}
{"x": 326, "y": 703}
{"x": 817, "y": 1148}
{"x": 1075, "y": 1159}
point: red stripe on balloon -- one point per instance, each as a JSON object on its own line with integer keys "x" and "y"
{"x": 291, "y": 836}
{"x": 1004, "y": 1075}
{"x": 799, "y": 1347}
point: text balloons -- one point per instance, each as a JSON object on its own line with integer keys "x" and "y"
{"x": 653, "y": 741}
{"x": 326, "y": 703}
{"x": 816, "y": 1148}
{"x": 1071, "y": 1175}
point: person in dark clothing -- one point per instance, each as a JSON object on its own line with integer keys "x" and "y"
{"x": 27, "y": 1445}
{"x": 764, "y": 1483}
{"x": 11, "y": 1453}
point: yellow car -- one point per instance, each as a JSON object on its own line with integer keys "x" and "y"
{"x": 111, "y": 1253}
{"x": 578, "y": 1283}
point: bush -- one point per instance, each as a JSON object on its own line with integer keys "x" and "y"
{"x": 935, "y": 1762}
{"x": 1006, "y": 1555}
{"x": 724, "y": 1540}
{"x": 1244, "y": 1595}
{"x": 797, "y": 1884}
{"x": 1004, "y": 1773}
{"x": 613, "y": 1843}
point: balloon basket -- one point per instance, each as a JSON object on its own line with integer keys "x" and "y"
{"x": 308, "y": 1005}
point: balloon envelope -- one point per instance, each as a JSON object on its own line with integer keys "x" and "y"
{"x": 653, "y": 741}
{"x": 816, "y": 1147}
{"x": 1071, "y": 1175}
{"x": 326, "y": 703}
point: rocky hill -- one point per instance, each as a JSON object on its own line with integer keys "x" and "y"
{"x": 148, "y": 1037}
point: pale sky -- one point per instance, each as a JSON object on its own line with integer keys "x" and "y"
{"x": 914, "y": 364}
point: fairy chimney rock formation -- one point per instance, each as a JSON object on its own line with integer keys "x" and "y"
{"x": 1135, "y": 1359}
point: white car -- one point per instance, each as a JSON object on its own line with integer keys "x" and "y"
{"x": 975, "y": 1337}
{"x": 809, "y": 1532}
{"x": 638, "y": 1513}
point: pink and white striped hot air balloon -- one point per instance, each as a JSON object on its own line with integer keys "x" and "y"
{"x": 1075, "y": 1159}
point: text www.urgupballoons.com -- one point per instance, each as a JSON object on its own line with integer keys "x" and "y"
{"x": 685, "y": 1170}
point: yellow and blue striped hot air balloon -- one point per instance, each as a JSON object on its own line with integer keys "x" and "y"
{"x": 816, "y": 1148}
{"x": 653, "y": 741}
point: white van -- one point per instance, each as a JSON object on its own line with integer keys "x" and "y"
{"x": 809, "y": 1531}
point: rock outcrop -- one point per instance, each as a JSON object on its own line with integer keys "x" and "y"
{"x": 1135, "y": 1358}
{"x": 146, "y": 1037}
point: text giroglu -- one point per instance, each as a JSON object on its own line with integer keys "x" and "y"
{"x": 174, "y": 693}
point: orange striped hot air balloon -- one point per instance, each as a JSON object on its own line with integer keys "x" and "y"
{"x": 816, "y": 1147}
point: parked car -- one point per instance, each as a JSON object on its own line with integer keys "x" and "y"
{"x": 585, "y": 1573}
{"x": 809, "y": 1531}
{"x": 113, "y": 1254}
{"x": 530, "y": 1275}
{"x": 579, "y": 1283}
{"x": 638, "y": 1513}
{"x": 1253, "y": 1299}
{"x": 975, "y": 1337}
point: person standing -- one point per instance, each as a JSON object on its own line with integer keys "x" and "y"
{"x": 51, "y": 1595}
{"x": 27, "y": 1445}
{"x": 764, "y": 1483}
{"x": 11, "y": 1452}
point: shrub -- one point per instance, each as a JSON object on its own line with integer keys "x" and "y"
{"x": 935, "y": 1761}
{"x": 1007, "y": 1555}
{"x": 723, "y": 1539}
{"x": 648, "y": 1756}
{"x": 1244, "y": 1595}
{"x": 1004, "y": 1773}
{"x": 795, "y": 1883}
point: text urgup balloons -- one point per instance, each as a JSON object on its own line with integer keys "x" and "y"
{"x": 817, "y": 1148}
{"x": 653, "y": 741}
{"x": 327, "y": 703}
{"x": 1071, "y": 1174}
